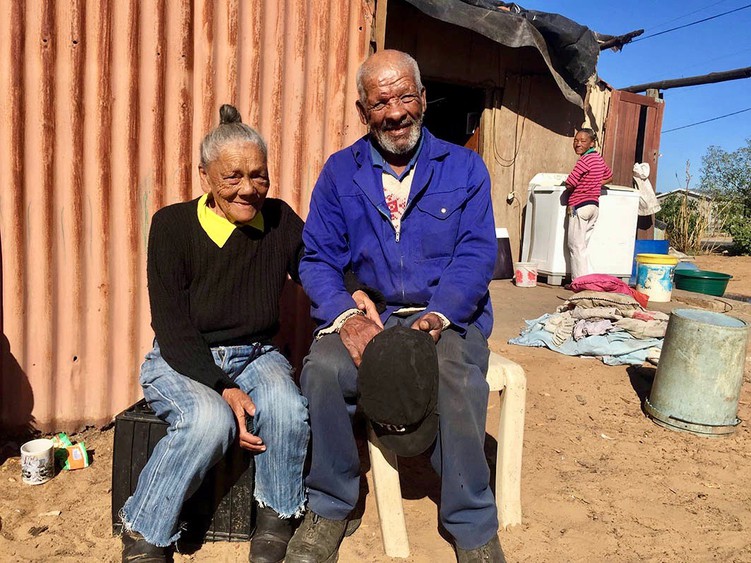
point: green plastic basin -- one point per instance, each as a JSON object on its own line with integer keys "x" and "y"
{"x": 702, "y": 281}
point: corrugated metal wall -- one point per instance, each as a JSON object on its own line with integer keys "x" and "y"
{"x": 103, "y": 105}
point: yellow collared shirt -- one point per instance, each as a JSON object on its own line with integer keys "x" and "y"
{"x": 219, "y": 228}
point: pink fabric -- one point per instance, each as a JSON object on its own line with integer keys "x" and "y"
{"x": 610, "y": 284}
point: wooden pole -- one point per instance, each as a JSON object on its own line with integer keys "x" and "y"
{"x": 693, "y": 80}
{"x": 380, "y": 24}
{"x": 619, "y": 41}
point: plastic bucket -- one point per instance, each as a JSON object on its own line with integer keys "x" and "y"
{"x": 702, "y": 281}
{"x": 698, "y": 380}
{"x": 654, "y": 276}
{"x": 644, "y": 246}
{"x": 525, "y": 274}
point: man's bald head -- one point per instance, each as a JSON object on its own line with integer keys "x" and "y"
{"x": 388, "y": 59}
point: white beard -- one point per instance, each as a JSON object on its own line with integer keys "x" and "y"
{"x": 387, "y": 144}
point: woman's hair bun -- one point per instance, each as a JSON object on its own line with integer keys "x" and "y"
{"x": 229, "y": 114}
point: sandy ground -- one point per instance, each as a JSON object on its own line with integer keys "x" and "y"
{"x": 601, "y": 482}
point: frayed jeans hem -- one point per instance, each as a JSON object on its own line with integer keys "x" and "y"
{"x": 299, "y": 512}
{"x": 128, "y": 528}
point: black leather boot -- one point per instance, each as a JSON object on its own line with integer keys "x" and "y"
{"x": 138, "y": 550}
{"x": 491, "y": 552}
{"x": 316, "y": 540}
{"x": 269, "y": 543}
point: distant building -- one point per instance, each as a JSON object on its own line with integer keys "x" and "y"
{"x": 705, "y": 204}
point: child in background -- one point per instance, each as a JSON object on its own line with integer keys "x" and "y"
{"x": 583, "y": 186}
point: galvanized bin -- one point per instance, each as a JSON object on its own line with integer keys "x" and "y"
{"x": 698, "y": 381}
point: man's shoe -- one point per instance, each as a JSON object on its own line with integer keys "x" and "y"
{"x": 316, "y": 540}
{"x": 269, "y": 543}
{"x": 138, "y": 550}
{"x": 352, "y": 525}
{"x": 491, "y": 552}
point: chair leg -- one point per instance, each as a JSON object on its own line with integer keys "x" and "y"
{"x": 388, "y": 495}
{"x": 510, "y": 441}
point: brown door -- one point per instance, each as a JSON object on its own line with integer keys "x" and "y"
{"x": 632, "y": 134}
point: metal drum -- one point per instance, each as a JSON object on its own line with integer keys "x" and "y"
{"x": 699, "y": 376}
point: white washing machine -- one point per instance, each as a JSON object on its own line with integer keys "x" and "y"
{"x": 611, "y": 248}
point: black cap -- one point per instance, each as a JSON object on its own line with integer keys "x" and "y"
{"x": 398, "y": 389}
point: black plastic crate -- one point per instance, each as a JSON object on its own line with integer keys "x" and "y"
{"x": 220, "y": 510}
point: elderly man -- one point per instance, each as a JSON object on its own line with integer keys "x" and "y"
{"x": 411, "y": 215}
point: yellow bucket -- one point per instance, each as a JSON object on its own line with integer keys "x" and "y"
{"x": 663, "y": 259}
{"x": 654, "y": 275}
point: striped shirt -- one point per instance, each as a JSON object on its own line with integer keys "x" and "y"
{"x": 586, "y": 178}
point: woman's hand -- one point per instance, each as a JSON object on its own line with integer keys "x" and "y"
{"x": 366, "y": 305}
{"x": 242, "y": 405}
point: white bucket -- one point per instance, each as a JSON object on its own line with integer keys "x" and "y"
{"x": 654, "y": 276}
{"x": 525, "y": 274}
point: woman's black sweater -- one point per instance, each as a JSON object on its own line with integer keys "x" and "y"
{"x": 204, "y": 296}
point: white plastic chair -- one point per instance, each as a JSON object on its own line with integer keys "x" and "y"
{"x": 509, "y": 380}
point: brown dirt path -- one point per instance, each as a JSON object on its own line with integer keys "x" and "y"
{"x": 601, "y": 482}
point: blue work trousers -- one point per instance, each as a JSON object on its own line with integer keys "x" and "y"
{"x": 329, "y": 382}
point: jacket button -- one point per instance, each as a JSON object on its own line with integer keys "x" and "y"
{"x": 443, "y": 210}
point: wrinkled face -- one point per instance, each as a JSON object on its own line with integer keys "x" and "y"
{"x": 582, "y": 143}
{"x": 393, "y": 108}
{"x": 238, "y": 181}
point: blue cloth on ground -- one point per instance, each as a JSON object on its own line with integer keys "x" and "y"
{"x": 615, "y": 348}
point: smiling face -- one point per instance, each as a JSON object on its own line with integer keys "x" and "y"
{"x": 583, "y": 142}
{"x": 238, "y": 181}
{"x": 393, "y": 106}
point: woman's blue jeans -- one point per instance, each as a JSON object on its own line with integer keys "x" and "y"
{"x": 201, "y": 429}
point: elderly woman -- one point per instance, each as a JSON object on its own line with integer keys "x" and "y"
{"x": 216, "y": 268}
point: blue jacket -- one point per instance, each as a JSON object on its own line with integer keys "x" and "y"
{"x": 444, "y": 256}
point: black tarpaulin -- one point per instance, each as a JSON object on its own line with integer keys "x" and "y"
{"x": 570, "y": 50}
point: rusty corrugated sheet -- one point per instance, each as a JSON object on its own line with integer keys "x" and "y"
{"x": 104, "y": 103}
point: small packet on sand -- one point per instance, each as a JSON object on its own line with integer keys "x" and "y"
{"x": 78, "y": 457}
{"x": 68, "y": 455}
{"x": 60, "y": 442}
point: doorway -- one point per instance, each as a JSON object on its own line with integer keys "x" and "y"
{"x": 454, "y": 112}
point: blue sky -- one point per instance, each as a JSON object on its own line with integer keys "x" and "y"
{"x": 720, "y": 44}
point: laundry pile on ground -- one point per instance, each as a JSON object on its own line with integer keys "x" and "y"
{"x": 608, "y": 325}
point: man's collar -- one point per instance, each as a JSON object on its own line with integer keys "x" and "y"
{"x": 219, "y": 228}
{"x": 380, "y": 162}
{"x": 432, "y": 148}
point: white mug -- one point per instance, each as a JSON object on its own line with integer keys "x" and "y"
{"x": 37, "y": 461}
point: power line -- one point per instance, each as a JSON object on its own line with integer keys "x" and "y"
{"x": 685, "y": 15}
{"x": 721, "y": 57}
{"x": 681, "y": 69}
{"x": 705, "y": 121}
{"x": 692, "y": 23}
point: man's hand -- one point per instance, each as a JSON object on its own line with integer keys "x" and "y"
{"x": 356, "y": 332}
{"x": 366, "y": 305}
{"x": 241, "y": 403}
{"x": 430, "y": 323}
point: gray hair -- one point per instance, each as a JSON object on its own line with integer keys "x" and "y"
{"x": 366, "y": 68}
{"x": 230, "y": 129}
{"x": 588, "y": 131}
